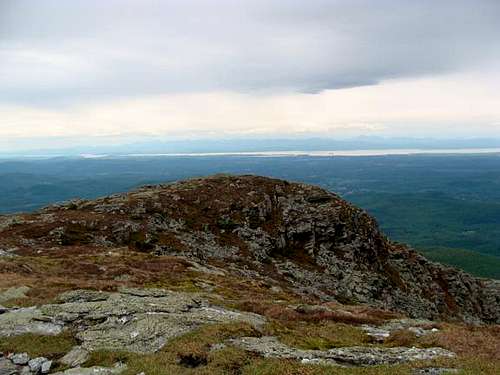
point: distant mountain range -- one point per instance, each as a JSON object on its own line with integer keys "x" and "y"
{"x": 153, "y": 146}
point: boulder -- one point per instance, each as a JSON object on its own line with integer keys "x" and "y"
{"x": 75, "y": 357}
{"x": 20, "y": 358}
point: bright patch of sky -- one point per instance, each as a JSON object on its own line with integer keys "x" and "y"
{"x": 125, "y": 69}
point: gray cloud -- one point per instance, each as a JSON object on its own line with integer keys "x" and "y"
{"x": 54, "y": 51}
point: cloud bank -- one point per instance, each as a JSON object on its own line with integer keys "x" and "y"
{"x": 184, "y": 67}
{"x": 74, "y": 49}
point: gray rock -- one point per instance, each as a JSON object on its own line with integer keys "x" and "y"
{"x": 349, "y": 356}
{"x": 6, "y": 254}
{"x": 75, "y": 357}
{"x": 7, "y": 367}
{"x": 83, "y": 296}
{"x": 37, "y": 364}
{"x": 377, "y": 333}
{"x": 218, "y": 346}
{"x": 420, "y": 327}
{"x": 27, "y": 320}
{"x": 46, "y": 367}
{"x": 136, "y": 320}
{"x": 96, "y": 370}
{"x": 20, "y": 358}
{"x": 435, "y": 371}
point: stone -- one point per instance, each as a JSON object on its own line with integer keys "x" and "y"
{"x": 46, "y": 367}
{"x": 420, "y": 327}
{"x": 6, "y": 254}
{"x": 37, "y": 364}
{"x": 27, "y": 320}
{"x": 95, "y": 370}
{"x": 75, "y": 357}
{"x": 135, "y": 320}
{"x": 20, "y": 358}
{"x": 435, "y": 371}
{"x": 378, "y": 334}
{"x": 7, "y": 367}
{"x": 269, "y": 346}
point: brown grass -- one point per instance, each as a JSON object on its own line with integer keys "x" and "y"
{"x": 335, "y": 313}
{"x": 401, "y": 337}
{"x": 468, "y": 341}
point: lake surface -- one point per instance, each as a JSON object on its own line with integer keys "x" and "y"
{"x": 325, "y": 153}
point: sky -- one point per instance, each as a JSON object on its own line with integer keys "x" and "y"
{"x": 86, "y": 72}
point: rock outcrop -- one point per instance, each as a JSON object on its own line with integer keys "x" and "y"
{"x": 350, "y": 356}
{"x": 291, "y": 234}
{"x": 133, "y": 320}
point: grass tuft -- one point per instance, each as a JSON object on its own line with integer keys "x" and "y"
{"x": 51, "y": 347}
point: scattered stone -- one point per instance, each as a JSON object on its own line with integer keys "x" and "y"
{"x": 75, "y": 357}
{"x": 435, "y": 371}
{"x": 6, "y": 254}
{"x": 218, "y": 346}
{"x": 95, "y": 370}
{"x": 269, "y": 346}
{"x": 420, "y": 327}
{"x": 20, "y": 359}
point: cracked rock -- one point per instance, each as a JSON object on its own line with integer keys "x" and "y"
{"x": 269, "y": 346}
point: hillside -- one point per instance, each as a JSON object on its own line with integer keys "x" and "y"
{"x": 240, "y": 274}
{"x": 426, "y": 201}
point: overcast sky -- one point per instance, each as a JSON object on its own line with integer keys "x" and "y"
{"x": 107, "y": 71}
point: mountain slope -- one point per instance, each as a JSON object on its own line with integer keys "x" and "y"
{"x": 297, "y": 236}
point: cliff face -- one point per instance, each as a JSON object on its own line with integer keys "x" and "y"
{"x": 300, "y": 236}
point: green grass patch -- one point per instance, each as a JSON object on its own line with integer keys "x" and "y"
{"x": 51, "y": 347}
{"x": 317, "y": 336}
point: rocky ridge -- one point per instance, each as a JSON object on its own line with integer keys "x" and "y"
{"x": 276, "y": 270}
{"x": 294, "y": 233}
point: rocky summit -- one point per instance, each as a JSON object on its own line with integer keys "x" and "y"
{"x": 231, "y": 275}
